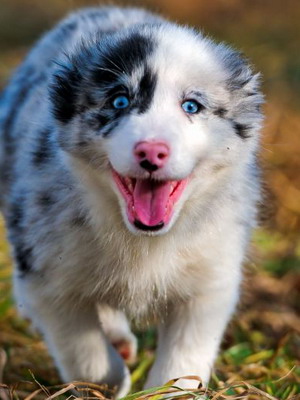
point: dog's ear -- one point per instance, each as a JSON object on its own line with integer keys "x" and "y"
{"x": 64, "y": 91}
{"x": 240, "y": 73}
{"x": 244, "y": 88}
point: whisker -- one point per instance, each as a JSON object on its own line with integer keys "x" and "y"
{"x": 109, "y": 70}
{"x": 109, "y": 60}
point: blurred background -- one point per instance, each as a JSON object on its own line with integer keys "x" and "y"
{"x": 263, "y": 342}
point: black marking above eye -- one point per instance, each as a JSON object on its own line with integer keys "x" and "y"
{"x": 123, "y": 56}
{"x": 131, "y": 52}
{"x": 146, "y": 90}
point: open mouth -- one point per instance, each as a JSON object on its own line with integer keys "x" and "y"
{"x": 150, "y": 203}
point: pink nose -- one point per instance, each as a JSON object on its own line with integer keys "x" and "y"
{"x": 151, "y": 155}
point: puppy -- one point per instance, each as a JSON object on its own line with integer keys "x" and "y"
{"x": 129, "y": 186}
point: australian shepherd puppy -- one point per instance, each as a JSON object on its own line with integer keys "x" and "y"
{"x": 129, "y": 186}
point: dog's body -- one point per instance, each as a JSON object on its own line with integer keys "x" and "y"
{"x": 131, "y": 189}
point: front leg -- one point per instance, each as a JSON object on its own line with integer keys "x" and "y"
{"x": 190, "y": 336}
{"x": 117, "y": 329}
{"x": 74, "y": 336}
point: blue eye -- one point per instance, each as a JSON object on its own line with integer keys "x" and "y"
{"x": 120, "y": 102}
{"x": 191, "y": 106}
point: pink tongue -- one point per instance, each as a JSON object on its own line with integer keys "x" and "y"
{"x": 151, "y": 200}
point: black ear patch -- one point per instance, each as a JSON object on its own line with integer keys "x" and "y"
{"x": 64, "y": 92}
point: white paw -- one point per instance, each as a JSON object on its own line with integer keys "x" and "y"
{"x": 126, "y": 345}
{"x": 117, "y": 330}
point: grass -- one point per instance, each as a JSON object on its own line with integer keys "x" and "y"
{"x": 259, "y": 357}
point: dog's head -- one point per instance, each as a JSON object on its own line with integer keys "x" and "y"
{"x": 159, "y": 108}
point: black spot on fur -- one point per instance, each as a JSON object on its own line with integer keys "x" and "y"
{"x": 103, "y": 120}
{"x": 108, "y": 129}
{"x": 43, "y": 152}
{"x": 242, "y": 130}
{"x": 16, "y": 212}
{"x": 97, "y": 120}
{"x": 45, "y": 200}
{"x": 23, "y": 257}
{"x": 258, "y": 108}
{"x": 220, "y": 112}
{"x": 90, "y": 102}
{"x": 146, "y": 90}
{"x": 78, "y": 221}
